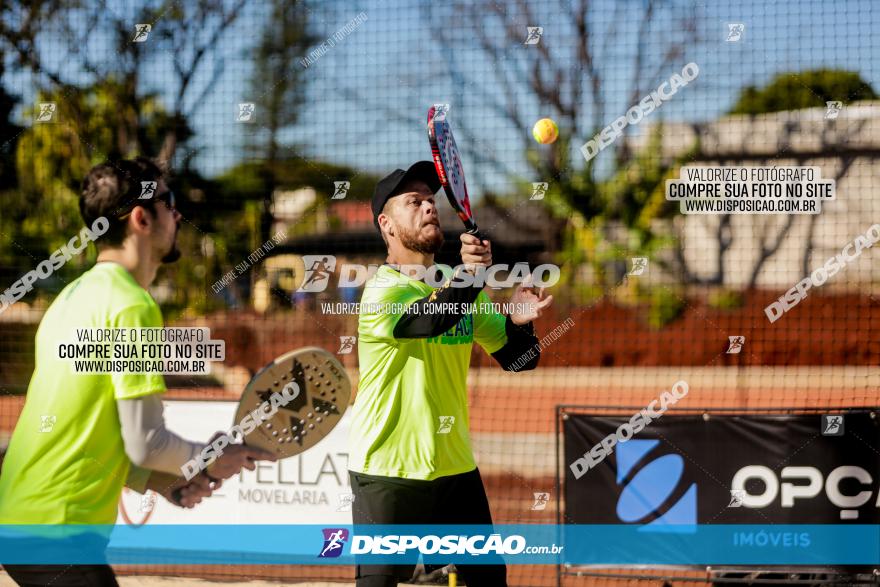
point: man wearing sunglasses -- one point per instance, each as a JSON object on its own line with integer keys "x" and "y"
{"x": 108, "y": 429}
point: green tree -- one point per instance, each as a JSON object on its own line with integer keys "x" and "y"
{"x": 41, "y": 212}
{"x": 191, "y": 34}
{"x": 9, "y": 133}
{"x": 632, "y": 198}
{"x": 279, "y": 83}
{"x": 9, "y": 136}
{"x": 239, "y": 193}
{"x": 808, "y": 89}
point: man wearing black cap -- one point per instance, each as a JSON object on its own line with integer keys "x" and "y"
{"x": 411, "y": 460}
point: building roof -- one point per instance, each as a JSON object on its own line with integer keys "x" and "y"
{"x": 522, "y": 232}
{"x": 352, "y": 214}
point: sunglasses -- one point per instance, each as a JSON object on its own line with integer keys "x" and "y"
{"x": 168, "y": 197}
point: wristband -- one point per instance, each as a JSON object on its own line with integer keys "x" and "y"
{"x": 527, "y": 328}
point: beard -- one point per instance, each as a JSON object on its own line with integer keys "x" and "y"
{"x": 426, "y": 245}
{"x": 174, "y": 254}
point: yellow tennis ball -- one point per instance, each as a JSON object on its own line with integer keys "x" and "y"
{"x": 545, "y": 131}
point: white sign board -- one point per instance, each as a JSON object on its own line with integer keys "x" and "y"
{"x": 311, "y": 488}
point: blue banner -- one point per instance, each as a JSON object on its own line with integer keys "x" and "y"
{"x": 610, "y": 545}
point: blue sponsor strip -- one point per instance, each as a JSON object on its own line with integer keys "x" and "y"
{"x": 805, "y": 544}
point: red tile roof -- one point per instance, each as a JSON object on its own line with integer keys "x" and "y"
{"x": 352, "y": 213}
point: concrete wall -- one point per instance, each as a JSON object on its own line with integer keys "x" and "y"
{"x": 846, "y": 149}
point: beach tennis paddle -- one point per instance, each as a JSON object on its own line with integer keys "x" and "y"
{"x": 312, "y": 392}
{"x": 449, "y": 168}
{"x": 324, "y": 392}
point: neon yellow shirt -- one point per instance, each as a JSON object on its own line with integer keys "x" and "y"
{"x": 66, "y": 462}
{"x": 410, "y": 415}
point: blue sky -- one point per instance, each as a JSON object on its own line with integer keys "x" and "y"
{"x": 392, "y": 62}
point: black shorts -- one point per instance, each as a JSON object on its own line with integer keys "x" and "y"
{"x": 457, "y": 499}
{"x": 62, "y": 575}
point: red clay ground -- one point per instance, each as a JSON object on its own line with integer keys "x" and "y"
{"x": 821, "y": 331}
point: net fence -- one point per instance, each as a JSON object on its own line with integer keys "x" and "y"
{"x": 705, "y": 190}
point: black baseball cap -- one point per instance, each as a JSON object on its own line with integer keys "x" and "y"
{"x": 389, "y": 185}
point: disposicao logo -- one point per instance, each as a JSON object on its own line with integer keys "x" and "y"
{"x": 334, "y": 542}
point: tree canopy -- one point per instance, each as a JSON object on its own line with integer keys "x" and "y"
{"x": 807, "y": 89}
